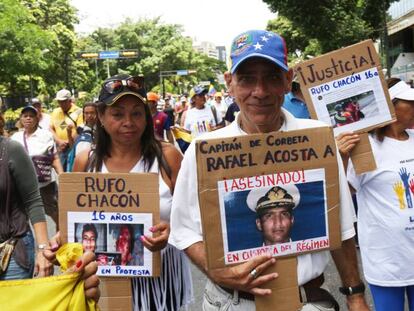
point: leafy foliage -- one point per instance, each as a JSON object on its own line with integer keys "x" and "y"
{"x": 333, "y": 24}
{"x": 39, "y": 48}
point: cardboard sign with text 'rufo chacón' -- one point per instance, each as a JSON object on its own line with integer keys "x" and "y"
{"x": 250, "y": 184}
{"x": 108, "y": 214}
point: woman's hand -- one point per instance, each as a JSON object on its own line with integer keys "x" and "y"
{"x": 346, "y": 142}
{"x": 86, "y": 265}
{"x": 159, "y": 242}
{"x": 43, "y": 267}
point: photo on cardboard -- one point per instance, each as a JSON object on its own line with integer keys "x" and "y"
{"x": 352, "y": 103}
{"x": 277, "y": 213}
{"x": 116, "y": 240}
{"x": 352, "y": 109}
{"x": 93, "y": 237}
{"x": 125, "y": 240}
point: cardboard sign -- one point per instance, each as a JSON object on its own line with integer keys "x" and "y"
{"x": 243, "y": 179}
{"x": 346, "y": 89}
{"x": 285, "y": 291}
{"x": 107, "y": 214}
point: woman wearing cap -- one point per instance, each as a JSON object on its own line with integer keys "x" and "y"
{"x": 126, "y": 143}
{"x": 20, "y": 201}
{"x": 386, "y": 204}
{"x": 41, "y": 147}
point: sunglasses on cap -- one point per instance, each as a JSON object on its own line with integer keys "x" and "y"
{"x": 118, "y": 85}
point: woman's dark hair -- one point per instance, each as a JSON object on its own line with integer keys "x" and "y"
{"x": 151, "y": 148}
{"x": 380, "y": 132}
{"x": 90, "y": 227}
{"x": 88, "y": 104}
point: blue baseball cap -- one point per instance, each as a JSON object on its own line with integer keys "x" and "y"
{"x": 258, "y": 43}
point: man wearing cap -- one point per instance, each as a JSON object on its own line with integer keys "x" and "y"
{"x": 202, "y": 118}
{"x": 64, "y": 121}
{"x": 274, "y": 216}
{"x": 44, "y": 118}
{"x": 160, "y": 118}
{"x": 259, "y": 78}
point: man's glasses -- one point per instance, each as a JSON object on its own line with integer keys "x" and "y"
{"x": 135, "y": 84}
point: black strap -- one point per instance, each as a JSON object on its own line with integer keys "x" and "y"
{"x": 68, "y": 115}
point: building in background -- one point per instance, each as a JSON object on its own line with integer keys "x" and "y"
{"x": 211, "y": 50}
{"x": 401, "y": 40}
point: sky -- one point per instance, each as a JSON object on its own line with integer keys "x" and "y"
{"x": 216, "y": 21}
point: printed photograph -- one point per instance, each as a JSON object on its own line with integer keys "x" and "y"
{"x": 108, "y": 259}
{"x": 352, "y": 109}
{"x": 124, "y": 239}
{"x": 274, "y": 215}
{"x": 92, "y": 236}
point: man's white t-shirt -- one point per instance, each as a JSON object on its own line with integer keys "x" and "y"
{"x": 185, "y": 215}
{"x": 199, "y": 121}
{"x": 44, "y": 123}
{"x": 386, "y": 213}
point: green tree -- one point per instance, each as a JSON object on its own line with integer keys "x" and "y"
{"x": 335, "y": 23}
{"x": 22, "y": 48}
{"x": 161, "y": 47}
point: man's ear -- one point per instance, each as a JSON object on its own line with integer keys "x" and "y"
{"x": 289, "y": 77}
{"x": 258, "y": 224}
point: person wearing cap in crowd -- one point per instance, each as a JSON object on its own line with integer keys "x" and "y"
{"x": 295, "y": 102}
{"x": 159, "y": 118}
{"x": 259, "y": 78}
{"x": 220, "y": 105}
{"x": 168, "y": 109}
{"x": 125, "y": 142}
{"x": 385, "y": 198}
{"x": 275, "y": 215}
{"x": 180, "y": 108}
{"x": 64, "y": 121}
{"x": 44, "y": 118}
{"x": 40, "y": 146}
{"x": 202, "y": 118}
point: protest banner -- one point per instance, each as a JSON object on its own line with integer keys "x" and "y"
{"x": 108, "y": 214}
{"x": 346, "y": 89}
{"x": 242, "y": 179}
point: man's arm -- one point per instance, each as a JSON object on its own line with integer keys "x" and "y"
{"x": 346, "y": 262}
{"x": 236, "y": 277}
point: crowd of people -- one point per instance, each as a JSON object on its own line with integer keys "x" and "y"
{"x": 129, "y": 130}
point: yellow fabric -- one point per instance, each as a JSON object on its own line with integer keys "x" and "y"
{"x": 60, "y": 121}
{"x": 68, "y": 254}
{"x": 58, "y": 293}
{"x": 181, "y": 134}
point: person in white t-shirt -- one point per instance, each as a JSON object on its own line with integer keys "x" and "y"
{"x": 39, "y": 143}
{"x": 202, "y": 118}
{"x": 386, "y": 204}
{"x": 220, "y": 104}
{"x": 258, "y": 79}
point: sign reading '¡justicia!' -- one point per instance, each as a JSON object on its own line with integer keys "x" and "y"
{"x": 345, "y": 64}
{"x": 224, "y": 155}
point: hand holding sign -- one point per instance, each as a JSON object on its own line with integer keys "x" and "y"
{"x": 346, "y": 142}
{"x": 159, "y": 242}
{"x": 240, "y": 277}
